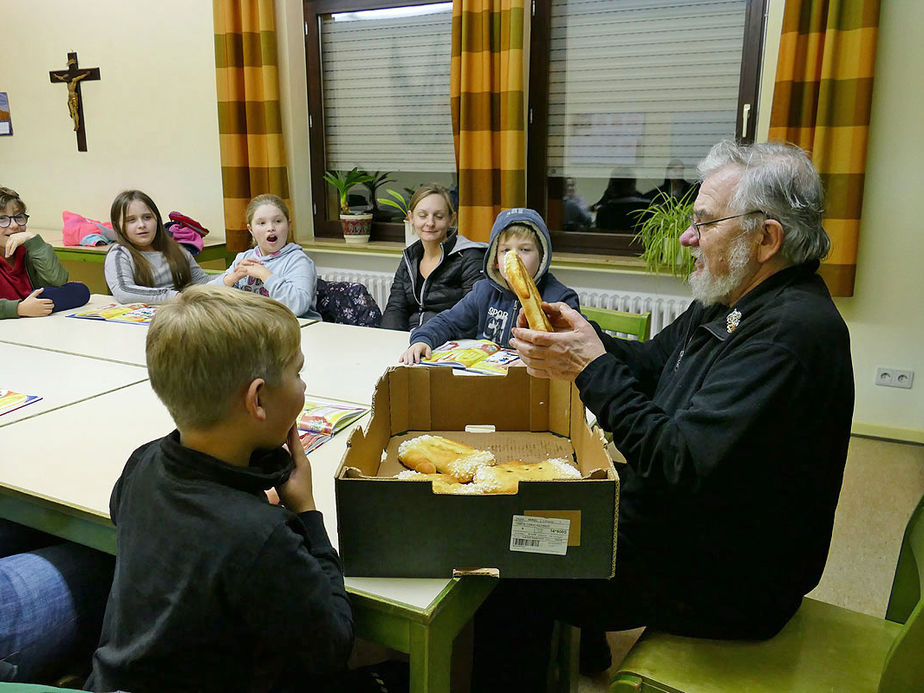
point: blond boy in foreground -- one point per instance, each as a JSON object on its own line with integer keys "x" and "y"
{"x": 216, "y": 589}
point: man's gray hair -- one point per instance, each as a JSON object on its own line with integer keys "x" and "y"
{"x": 779, "y": 180}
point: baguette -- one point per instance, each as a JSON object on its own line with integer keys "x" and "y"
{"x": 523, "y": 286}
{"x": 434, "y": 454}
{"x": 443, "y": 484}
{"x": 505, "y": 478}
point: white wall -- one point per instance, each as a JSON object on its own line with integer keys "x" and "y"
{"x": 886, "y": 316}
{"x": 151, "y": 120}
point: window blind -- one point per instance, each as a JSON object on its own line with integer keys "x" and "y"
{"x": 636, "y": 83}
{"x": 386, "y": 89}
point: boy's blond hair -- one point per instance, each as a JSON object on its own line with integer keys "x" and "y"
{"x": 209, "y": 343}
{"x": 521, "y": 231}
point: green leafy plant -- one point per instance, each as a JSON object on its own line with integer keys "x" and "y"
{"x": 343, "y": 182}
{"x": 396, "y": 200}
{"x": 377, "y": 180}
{"x": 660, "y": 226}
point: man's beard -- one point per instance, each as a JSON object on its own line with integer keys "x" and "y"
{"x": 709, "y": 289}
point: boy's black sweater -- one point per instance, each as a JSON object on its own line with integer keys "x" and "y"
{"x": 215, "y": 589}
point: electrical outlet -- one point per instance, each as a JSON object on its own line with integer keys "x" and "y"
{"x": 893, "y": 377}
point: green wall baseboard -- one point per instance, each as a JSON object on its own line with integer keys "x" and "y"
{"x": 904, "y": 435}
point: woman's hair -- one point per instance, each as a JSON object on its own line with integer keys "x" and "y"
{"x": 8, "y": 195}
{"x": 428, "y": 189}
{"x": 163, "y": 242}
{"x": 276, "y": 201}
{"x": 779, "y": 180}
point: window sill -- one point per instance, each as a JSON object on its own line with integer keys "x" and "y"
{"x": 568, "y": 261}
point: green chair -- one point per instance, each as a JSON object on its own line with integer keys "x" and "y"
{"x": 823, "y": 647}
{"x": 634, "y": 325}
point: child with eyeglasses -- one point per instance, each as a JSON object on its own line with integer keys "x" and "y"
{"x": 32, "y": 281}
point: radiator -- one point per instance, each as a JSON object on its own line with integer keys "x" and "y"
{"x": 663, "y": 308}
{"x": 378, "y": 283}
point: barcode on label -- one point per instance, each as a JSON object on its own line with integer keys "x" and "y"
{"x": 525, "y": 542}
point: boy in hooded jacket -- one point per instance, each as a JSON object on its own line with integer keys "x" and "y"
{"x": 489, "y": 310}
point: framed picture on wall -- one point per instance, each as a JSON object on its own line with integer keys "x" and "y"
{"x": 6, "y": 125}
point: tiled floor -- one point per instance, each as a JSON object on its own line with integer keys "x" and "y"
{"x": 882, "y": 484}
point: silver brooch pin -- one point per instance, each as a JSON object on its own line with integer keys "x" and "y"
{"x": 732, "y": 320}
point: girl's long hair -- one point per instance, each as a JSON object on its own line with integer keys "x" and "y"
{"x": 163, "y": 242}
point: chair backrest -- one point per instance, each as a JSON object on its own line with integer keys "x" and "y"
{"x": 904, "y": 665}
{"x": 637, "y": 325}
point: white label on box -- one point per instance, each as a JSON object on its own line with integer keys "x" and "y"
{"x": 539, "y": 535}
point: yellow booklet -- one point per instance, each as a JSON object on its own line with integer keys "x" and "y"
{"x": 474, "y": 355}
{"x": 133, "y": 313}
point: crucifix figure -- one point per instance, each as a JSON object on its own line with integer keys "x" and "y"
{"x": 72, "y": 76}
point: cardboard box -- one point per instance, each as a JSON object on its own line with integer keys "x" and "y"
{"x": 394, "y": 528}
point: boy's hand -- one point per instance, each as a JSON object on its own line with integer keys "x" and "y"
{"x": 13, "y": 241}
{"x": 413, "y": 354}
{"x": 34, "y": 307}
{"x": 296, "y": 494}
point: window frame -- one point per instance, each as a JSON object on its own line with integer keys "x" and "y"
{"x": 537, "y": 196}
{"x": 325, "y": 228}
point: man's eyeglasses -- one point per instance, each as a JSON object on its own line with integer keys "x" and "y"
{"x": 20, "y": 219}
{"x": 698, "y": 225}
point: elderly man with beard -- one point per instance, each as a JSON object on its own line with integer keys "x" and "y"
{"x": 734, "y": 421}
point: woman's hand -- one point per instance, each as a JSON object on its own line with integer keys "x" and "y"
{"x": 414, "y": 353}
{"x": 34, "y": 307}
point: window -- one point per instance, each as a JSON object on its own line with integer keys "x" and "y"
{"x": 626, "y": 96}
{"x": 378, "y": 99}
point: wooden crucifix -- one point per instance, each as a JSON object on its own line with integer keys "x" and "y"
{"x": 72, "y": 76}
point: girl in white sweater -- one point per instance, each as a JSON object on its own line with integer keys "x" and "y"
{"x": 146, "y": 265}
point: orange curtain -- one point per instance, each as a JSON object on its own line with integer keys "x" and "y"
{"x": 487, "y": 102}
{"x": 253, "y": 154}
{"x": 821, "y": 102}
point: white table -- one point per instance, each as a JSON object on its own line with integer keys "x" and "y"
{"x": 59, "y": 379}
{"x": 110, "y": 341}
{"x": 61, "y": 483}
{"x": 345, "y": 362}
{"x": 99, "y": 339}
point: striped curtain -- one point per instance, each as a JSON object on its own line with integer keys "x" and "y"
{"x": 822, "y": 100}
{"x": 487, "y": 104}
{"x": 253, "y": 155}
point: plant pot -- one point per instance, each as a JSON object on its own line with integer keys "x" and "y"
{"x": 356, "y": 227}
{"x": 409, "y": 235}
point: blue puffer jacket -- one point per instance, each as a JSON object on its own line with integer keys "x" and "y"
{"x": 489, "y": 310}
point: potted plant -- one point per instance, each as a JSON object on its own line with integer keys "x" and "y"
{"x": 660, "y": 226}
{"x": 398, "y": 202}
{"x": 356, "y": 227}
{"x": 376, "y": 181}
